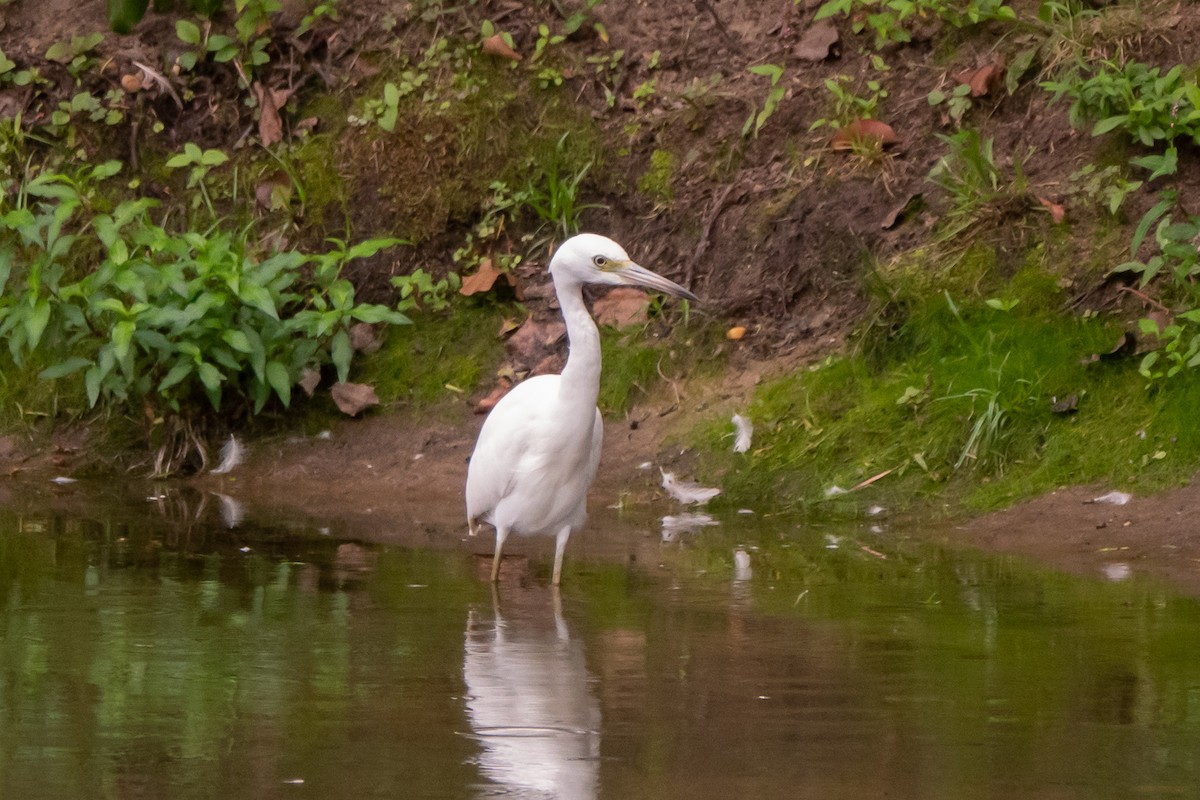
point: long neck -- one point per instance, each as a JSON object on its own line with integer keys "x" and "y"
{"x": 580, "y": 383}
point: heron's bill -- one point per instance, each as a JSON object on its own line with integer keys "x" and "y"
{"x": 635, "y": 275}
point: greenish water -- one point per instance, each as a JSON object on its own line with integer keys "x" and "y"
{"x": 159, "y": 659}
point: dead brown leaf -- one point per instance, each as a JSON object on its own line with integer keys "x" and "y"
{"x": 274, "y": 192}
{"x": 622, "y": 308}
{"x": 983, "y": 80}
{"x": 819, "y": 42}
{"x": 495, "y": 45}
{"x": 309, "y": 380}
{"x": 509, "y": 325}
{"x": 864, "y": 132}
{"x": 488, "y": 403}
{"x": 363, "y": 338}
{"x": 270, "y": 126}
{"x": 483, "y": 279}
{"x": 352, "y": 398}
{"x": 534, "y": 340}
{"x": 1057, "y": 212}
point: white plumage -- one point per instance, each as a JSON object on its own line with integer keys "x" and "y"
{"x": 539, "y": 448}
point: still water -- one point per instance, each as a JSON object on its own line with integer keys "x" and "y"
{"x": 170, "y": 658}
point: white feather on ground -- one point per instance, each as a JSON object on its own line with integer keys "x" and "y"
{"x": 687, "y": 492}
{"x": 232, "y": 455}
{"x": 745, "y": 430}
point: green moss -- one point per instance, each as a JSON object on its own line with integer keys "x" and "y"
{"x": 420, "y": 361}
{"x": 659, "y": 181}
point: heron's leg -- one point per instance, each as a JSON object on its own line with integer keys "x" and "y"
{"x": 560, "y": 544}
{"x": 501, "y": 535}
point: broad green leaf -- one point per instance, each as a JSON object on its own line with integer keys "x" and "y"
{"x": 258, "y": 297}
{"x": 1105, "y": 125}
{"x": 341, "y": 352}
{"x": 237, "y": 340}
{"x": 187, "y": 31}
{"x": 122, "y": 337}
{"x": 36, "y": 322}
{"x": 91, "y": 381}
{"x": 64, "y": 368}
{"x": 281, "y": 382}
{"x": 177, "y": 373}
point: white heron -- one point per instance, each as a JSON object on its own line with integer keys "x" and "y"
{"x": 538, "y": 449}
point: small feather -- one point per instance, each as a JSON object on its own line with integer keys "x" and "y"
{"x": 1113, "y": 498}
{"x": 686, "y": 492}
{"x": 745, "y": 430}
{"x": 232, "y": 455}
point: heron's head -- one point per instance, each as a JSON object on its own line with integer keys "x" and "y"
{"x": 591, "y": 258}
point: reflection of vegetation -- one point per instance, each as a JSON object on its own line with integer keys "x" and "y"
{"x": 197, "y": 673}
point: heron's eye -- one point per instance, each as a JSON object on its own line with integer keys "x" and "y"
{"x": 600, "y": 261}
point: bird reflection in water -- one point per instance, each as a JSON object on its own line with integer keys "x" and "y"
{"x": 529, "y": 699}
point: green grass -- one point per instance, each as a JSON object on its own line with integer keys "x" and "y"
{"x": 955, "y": 404}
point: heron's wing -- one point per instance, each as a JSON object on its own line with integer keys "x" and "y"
{"x": 505, "y": 441}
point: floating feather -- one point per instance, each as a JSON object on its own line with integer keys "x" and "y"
{"x": 232, "y": 455}
{"x": 686, "y": 492}
{"x": 745, "y": 430}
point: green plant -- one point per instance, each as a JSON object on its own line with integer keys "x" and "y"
{"x": 554, "y": 196}
{"x": 957, "y": 102}
{"x": 1107, "y": 184}
{"x": 1136, "y": 99}
{"x": 888, "y": 19}
{"x": 156, "y": 320}
{"x": 201, "y": 162}
{"x": 75, "y": 53}
{"x": 775, "y": 94}
{"x": 975, "y": 183}
{"x": 847, "y": 105}
{"x": 419, "y": 291}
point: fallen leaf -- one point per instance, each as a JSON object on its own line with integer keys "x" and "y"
{"x": 818, "y": 42}
{"x": 534, "y": 340}
{"x": 274, "y": 192}
{"x": 309, "y": 380}
{"x": 864, "y": 131}
{"x": 1068, "y": 405}
{"x": 351, "y": 398}
{"x": 1057, "y": 212}
{"x": 983, "y": 80}
{"x": 363, "y": 338}
{"x": 913, "y": 203}
{"x": 306, "y": 124}
{"x": 488, "y": 403}
{"x": 495, "y": 45}
{"x": 622, "y": 308}
{"x": 483, "y": 279}
{"x": 735, "y": 333}
{"x": 270, "y": 127}
{"x": 509, "y": 325}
